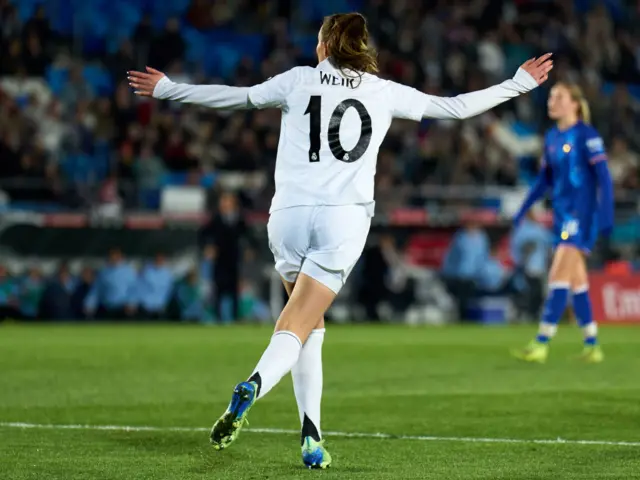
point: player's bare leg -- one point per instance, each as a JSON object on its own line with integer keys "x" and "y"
{"x": 560, "y": 281}
{"x": 307, "y": 386}
{"x": 308, "y": 302}
{"x": 591, "y": 353}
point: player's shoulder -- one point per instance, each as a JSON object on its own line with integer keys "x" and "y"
{"x": 591, "y": 139}
{"x": 588, "y": 131}
{"x": 303, "y": 70}
{"x": 295, "y": 74}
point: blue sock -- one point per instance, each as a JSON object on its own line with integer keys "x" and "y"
{"x": 582, "y": 309}
{"x": 553, "y": 309}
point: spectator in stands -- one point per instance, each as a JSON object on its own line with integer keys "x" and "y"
{"x": 56, "y": 297}
{"x": 225, "y": 233}
{"x": 251, "y": 306}
{"x": 35, "y": 59}
{"x": 623, "y": 164}
{"x": 113, "y": 294}
{"x": 109, "y": 198}
{"x": 200, "y": 14}
{"x": 493, "y": 278}
{"x": 76, "y": 90}
{"x": 246, "y": 157}
{"x": 11, "y": 58}
{"x": 38, "y": 25}
{"x": 530, "y": 250}
{"x": 10, "y": 26}
{"x": 191, "y": 299}
{"x": 206, "y": 270}
{"x": 8, "y": 295}
{"x": 149, "y": 171}
{"x": 463, "y": 263}
{"x": 372, "y": 286}
{"x": 154, "y": 288}
{"x": 168, "y": 46}
{"x": 383, "y": 278}
{"x": 30, "y": 290}
{"x": 122, "y": 60}
{"x": 81, "y": 291}
{"x": 175, "y": 155}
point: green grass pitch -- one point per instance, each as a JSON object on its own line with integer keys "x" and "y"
{"x": 480, "y": 409}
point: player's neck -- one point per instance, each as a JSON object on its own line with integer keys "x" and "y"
{"x": 566, "y": 123}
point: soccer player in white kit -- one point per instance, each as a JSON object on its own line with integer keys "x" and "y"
{"x": 334, "y": 118}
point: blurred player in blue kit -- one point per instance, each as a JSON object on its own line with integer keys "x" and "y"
{"x": 574, "y": 168}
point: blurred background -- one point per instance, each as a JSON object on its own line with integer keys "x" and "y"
{"x": 118, "y": 207}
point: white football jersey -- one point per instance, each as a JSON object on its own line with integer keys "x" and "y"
{"x": 332, "y": 128}
{"x": 333, "y": 124}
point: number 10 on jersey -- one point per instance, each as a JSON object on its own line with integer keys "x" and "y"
{"x": 333, "y": 134}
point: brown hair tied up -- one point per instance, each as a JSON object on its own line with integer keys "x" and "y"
{"x": 347, "y": 39}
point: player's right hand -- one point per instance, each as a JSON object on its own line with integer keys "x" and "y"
{"x": 144, "y": 83}
{"x": 539, "y": 68}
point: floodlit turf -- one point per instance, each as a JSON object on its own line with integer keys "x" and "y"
{"x": 449, "y": 382}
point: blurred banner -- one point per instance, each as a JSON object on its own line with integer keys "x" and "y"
{"x": 616, "y": 298}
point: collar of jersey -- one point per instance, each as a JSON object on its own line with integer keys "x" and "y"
{"x": 327, "y": 66}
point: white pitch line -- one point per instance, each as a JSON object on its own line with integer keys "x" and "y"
{"x": 280, "y": 431}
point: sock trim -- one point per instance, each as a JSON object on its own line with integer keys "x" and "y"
{"x": 559, "y": 286}
{"x": 257, "y": 379}
{"x": 547, "y": 329}
{"x": 581, "y": 289}
{"x": 291, "y": 334}
{"x": 317, "y": 331}
{"x": 590, "y": 329}
{"x": 309, "y": 430}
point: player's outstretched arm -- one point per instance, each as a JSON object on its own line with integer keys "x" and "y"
{"x": 156, "y": 84}
{"x": 530, "y": 75}
{"x": 606, "y": 201}
{"x": 537, "y": 191}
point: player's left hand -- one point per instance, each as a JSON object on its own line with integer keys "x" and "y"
{"x": 539, "y": 68}
{"x": 144, "y": 83}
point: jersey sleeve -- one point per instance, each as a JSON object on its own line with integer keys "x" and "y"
{"x": 594, "y": 147}
{"x": 212, "y": 96}
{"x": 407, "y": 102}
{"x": 415, "y": 105}
{"x": 273, "y": 93}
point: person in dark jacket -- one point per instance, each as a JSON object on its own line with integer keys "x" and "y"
{"x": 56, "y": 298}
{"x": 80, "y": 292}
{"x": 225, "y": 232}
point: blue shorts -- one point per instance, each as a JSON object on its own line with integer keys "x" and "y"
{"x": 570, "y": 233}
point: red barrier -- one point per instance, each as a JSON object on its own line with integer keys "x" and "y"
{"x": 616, "y": 299}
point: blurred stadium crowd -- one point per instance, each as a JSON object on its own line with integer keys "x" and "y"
{"x": 68, "y": 120}
{"x": 123, "y": 290}
{"x": 72, "y": 134}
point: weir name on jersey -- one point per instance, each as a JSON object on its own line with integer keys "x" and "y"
{"x": 328, "y": 79}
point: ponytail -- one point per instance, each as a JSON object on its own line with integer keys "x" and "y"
{"x": 347, "y": 39}
{"x": 584, "y": 112}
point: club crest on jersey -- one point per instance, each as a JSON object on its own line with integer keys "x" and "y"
{"x": 570, "y": 228}
{"x": 566, "y": 148}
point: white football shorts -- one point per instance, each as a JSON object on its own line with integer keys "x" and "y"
{"x": 323, "y": 242}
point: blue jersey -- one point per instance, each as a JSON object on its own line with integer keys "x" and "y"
{"x": 569, "y": 161}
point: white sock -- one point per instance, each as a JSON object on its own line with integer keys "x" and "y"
{"x": 277, "y": 360}
{"x": 307, "y": 383}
